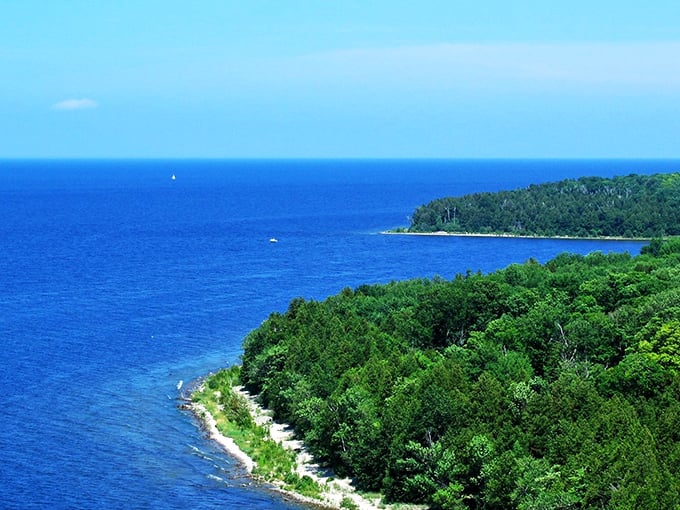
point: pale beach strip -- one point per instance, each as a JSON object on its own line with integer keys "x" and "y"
{"x": 334, "y": 490}
{"x": 225, "y": 442}
{"x": 443, "y": 233}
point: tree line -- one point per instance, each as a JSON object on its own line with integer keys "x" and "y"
{"x": 549, "y": 385}
{"x": 632, "y": 206}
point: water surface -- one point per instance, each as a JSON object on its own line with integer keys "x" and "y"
{"x": 117, "y": 282}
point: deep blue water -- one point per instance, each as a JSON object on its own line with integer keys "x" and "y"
{"x": 116, "y": 282}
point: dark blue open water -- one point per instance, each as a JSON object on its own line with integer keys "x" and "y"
{"x": 116, "y": 282}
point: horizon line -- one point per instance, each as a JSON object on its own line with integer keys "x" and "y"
{"x": 341, "y": 158}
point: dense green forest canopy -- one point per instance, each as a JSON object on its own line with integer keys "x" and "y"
{"x": 632, "y": 206}
{"x": 551, "y": 385}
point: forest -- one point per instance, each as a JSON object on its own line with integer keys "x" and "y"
{"x": 632, "y": 206}
{"x": 549, "y": 385}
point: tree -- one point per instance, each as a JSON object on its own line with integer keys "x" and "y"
{"x": 429, "y": 476}
{"x": 541, "y": 486}
{"x": 660, "y": 340}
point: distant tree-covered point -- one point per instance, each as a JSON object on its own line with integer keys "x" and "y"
{"x": 632, "y": 206}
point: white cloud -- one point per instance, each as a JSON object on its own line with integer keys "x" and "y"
{"x": 75, "y": 104}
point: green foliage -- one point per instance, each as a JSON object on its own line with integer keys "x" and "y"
{"x": 235, "y": 409}
{"x": 541, "y": 486}
{"x": 230, "y": 410}
{"x": 348, "y": 503}
{"x": 538, "y": 386}
{"x": 660, "y": 340}
{"x": 224, "y": 379}
{"x": 626, "y": 206}
{"x": 638, "y": 375}
{"x": 429, "y": 471}
{"x": 273, "y": 462}
{"x": 303, "y": 485}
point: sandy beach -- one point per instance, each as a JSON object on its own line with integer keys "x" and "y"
{"x": 334, "y": 490}
{"x": 442, "y": 233}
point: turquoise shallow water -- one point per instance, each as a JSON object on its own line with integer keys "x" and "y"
{"x": 117, "y": 282}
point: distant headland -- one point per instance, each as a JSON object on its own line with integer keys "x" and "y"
{"x": 625, "y": 207}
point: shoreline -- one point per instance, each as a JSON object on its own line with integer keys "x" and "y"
{"x": 227, "y": 443}
{"x": 335, "y": 491}
{"x": 443, "y": 233}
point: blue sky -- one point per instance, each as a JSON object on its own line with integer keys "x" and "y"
{"x": 351, "y": 79}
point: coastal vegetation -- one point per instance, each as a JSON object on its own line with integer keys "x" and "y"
{"x": 551, "y": 385}
{"x": 233, "y": 419}
{"x": 632, "y": 206}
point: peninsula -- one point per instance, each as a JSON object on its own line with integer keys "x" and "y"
{"x": 551, "y": 385}
{"x": 625, "y": 207}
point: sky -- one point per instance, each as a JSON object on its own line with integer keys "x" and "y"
{"x": 349, "y": 79}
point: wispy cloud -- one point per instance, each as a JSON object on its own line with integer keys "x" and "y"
{"x": 625, "y": 66}
{"x": 75, "y": 104}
